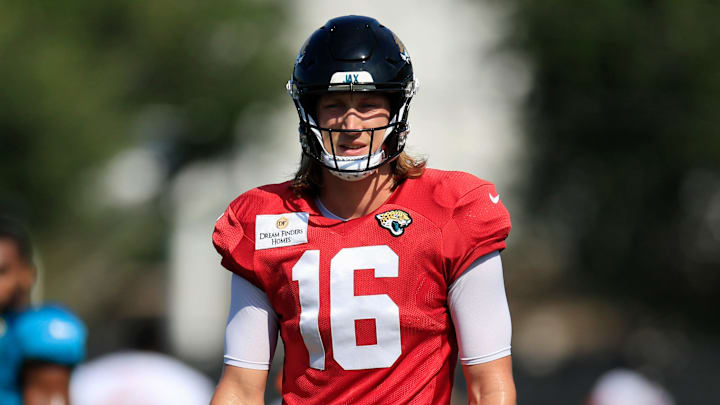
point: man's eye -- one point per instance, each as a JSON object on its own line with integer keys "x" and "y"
{"x": 373, "y": 105}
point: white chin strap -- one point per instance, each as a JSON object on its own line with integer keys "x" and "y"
{"x": 355, "y": 163}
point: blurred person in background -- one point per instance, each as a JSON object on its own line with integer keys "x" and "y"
{"x": 375, "y": 269}
{"x": 627, "y": 387}
{"x": 139, "y": 378}
{"x": 38, "y": 345}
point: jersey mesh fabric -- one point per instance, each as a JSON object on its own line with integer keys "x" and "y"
{"x": 454, "y": 221}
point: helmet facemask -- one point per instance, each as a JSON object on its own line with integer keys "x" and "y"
{"x": 354, "y": 168}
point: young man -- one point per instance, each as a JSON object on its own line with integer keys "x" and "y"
{"x": 38, "y": 346}
{"x": 375, "y": 269}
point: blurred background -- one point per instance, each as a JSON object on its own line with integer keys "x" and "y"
{"x": 127, "y": 127}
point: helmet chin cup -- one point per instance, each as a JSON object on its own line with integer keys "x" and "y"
{"x": 356, "y": 176}
{"x": 353, "y": 168}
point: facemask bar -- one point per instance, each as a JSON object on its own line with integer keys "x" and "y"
{"x": 336, "y": 158}
{"x": 372, "y": 138}
{"x": 370, "y": 152}
{"x": 409, "y": 88}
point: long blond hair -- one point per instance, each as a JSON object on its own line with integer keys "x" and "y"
{"x": 308, "y": 178}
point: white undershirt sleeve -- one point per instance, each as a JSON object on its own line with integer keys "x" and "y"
{"x": 252, "y": 327}
{"x": 480, "y": 312}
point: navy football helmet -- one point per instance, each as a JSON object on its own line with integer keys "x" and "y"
{"x": 348, "y": 54}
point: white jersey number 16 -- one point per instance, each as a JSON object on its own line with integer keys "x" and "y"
{"x": 346, "y": 308}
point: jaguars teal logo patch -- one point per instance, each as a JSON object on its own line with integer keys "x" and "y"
{"x": 394, "y": 221}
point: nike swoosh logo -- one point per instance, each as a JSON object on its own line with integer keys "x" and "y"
{"x": 495, "y": 199}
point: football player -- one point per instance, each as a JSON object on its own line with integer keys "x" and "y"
{"x": 376, "y": 270}
{"x": 38, "y": 345}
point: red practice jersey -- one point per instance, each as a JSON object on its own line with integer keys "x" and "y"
{"x": 362, "y": 304}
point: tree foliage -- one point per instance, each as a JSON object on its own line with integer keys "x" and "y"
{"x": 83, "y": 82}
{"x": 622, "y": 127}
{"x": 79, "y": 78}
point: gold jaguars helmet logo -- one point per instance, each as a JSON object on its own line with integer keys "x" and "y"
{"x": 394, "y": 221}
{"x": 403, "y": 51}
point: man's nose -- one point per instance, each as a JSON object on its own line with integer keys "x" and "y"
{"x": 352, "y": 120}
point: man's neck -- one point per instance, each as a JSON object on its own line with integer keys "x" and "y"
{"x": 354, "y": 199}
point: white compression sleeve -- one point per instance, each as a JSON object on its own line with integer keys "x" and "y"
{"x": 252, "y": 327}
{"x": 480, "y": 312}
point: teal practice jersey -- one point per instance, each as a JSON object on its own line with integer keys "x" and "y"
{"x": 47, "y": 333}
